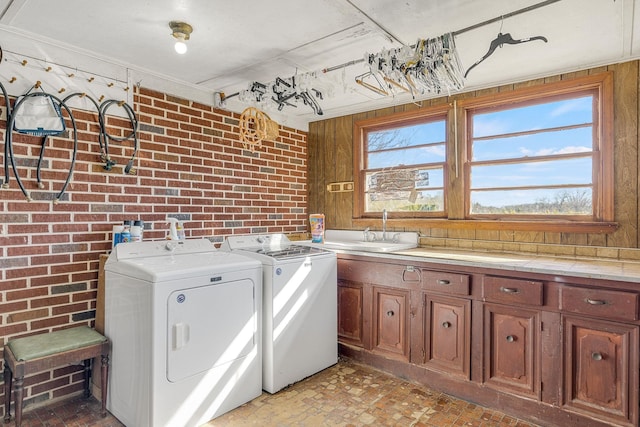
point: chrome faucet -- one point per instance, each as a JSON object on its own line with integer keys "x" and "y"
{"x": 369, "y": 236}
{"x": 384, "y": 225}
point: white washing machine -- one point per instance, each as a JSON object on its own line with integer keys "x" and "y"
{"x": 185, "y": 324}
{"x": 300, "y": 307}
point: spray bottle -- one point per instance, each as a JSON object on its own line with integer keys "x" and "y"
{"x": 176, "y": 230}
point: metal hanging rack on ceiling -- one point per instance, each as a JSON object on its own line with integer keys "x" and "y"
{"x": 429, "y": 66}
{"x": 458, "y": 32}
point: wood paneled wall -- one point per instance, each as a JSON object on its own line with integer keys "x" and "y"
{"x": 330, "y": 148}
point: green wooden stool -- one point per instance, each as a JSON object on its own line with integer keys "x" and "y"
{"x": 28, "y": 355}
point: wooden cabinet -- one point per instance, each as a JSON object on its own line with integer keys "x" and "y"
{"x": 391, "y": 322}
{"x": 373, "y": 308}
{"x": 601, "y": 357}
{"x": 603, "y": 303}
{"x": 445, "y": 341}
{"x": 447, "y": 334}
{"x": 350, "y": 315}
{"x": 508, "y": 290}
{"x": 511, "y": 349}
{"x": 445, "y": 282}
{"x": 511, "y": 334}
{"x": 545, "y": 348}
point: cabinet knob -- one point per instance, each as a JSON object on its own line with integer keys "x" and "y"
{"x": 596, "y": 356}
{"x": 595, "y": 301}
{"x": 509, "y": 290}
{"x": 511, "y": 338}
{"x": 390, "y": 313}
{"x": 444, "y": 282}
{"x": 446, "y": 325}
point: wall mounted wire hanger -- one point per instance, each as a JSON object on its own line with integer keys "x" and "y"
{"x": 501, "y": 40}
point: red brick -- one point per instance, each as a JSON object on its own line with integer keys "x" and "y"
{"x": 25, "y": 272}
{"x": 50, "y": 301}
{"x": 72, "y": 308}
{"x": 50, "y": 322}
{"x": 84, "y": 296}
{"x": 9, "y": 330}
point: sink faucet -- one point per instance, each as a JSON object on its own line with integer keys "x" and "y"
{"x": 384, "y": 225}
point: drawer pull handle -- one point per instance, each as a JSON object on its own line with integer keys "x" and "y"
{"x": 444, "y": 282}
{"x": 446, "y": 325}
{"x": 511, "y": 338}
{"x": 390, "y": 313}
{"x": 595, "y": 301}
{"x": 509, "y": 290}
{"x": 596, "y": 356}
{"x": 411, "y": 269}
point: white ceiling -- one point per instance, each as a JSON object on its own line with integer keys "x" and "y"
{"x": 235, "y": 43}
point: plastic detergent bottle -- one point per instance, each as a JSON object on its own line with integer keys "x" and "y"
{"x": 136, "y": 231}
{"x": 125, "y": 235}
{"x": 117, "y": 235}
{"x": 176, "y": 230}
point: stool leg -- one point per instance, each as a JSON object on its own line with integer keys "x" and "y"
{"x": 87, "y": 376}
{"x": 104, "y": 371}
{"x": 8, "y": 379}
{"x": 19, "y": 394}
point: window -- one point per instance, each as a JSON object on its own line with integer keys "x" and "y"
{"x": 402, "y": 165}
{"x": 528, "y": 157}
{"x": 533, "y": 159}
{"x": 538, "y": 156}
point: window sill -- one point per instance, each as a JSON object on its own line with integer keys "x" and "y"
{"x": 547, "y": 226}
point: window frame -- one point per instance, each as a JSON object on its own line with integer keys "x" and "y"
{"x": 594, "y": 154}
{"x": 457, "y": 199}
{"x": 601, "y": 87}
{"x": 360, "y": 130}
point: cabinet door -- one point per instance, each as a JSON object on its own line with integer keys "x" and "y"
{"x": 390, "y": 314}
{"x": 447, "y": 334}
{"x": 511, "y": 338}
{"x": 601, "y": 368}
{"x": 350, "y": 326}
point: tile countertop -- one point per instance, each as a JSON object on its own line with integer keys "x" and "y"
{"x": 627, "y": 271}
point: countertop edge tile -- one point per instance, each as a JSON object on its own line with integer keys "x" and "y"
{"x": 617, "y": 270}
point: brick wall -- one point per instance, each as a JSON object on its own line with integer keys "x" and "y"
{"x": 191, "y": 165}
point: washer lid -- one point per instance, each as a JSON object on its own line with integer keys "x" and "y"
{"x": 290, "y": 251}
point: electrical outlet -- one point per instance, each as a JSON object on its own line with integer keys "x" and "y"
{"x": 3, "y": 113}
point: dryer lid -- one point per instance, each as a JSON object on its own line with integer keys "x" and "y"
{"x": 152, "y": 262}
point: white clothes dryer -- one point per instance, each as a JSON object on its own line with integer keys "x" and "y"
{"x": 185, "y": 324}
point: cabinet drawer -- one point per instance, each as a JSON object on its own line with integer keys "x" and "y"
{"x": 448, "y": 283}
{"x": 599, "y": 302}
{"x": 513, "y": 291}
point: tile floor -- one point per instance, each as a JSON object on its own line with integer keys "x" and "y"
{"x": 347, "y": 394}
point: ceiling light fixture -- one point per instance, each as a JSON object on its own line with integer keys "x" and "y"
{"x": 181, "y": 31}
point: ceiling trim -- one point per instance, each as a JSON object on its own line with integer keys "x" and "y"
{"x": 391, "y": 37}
{"x": 11, "y": 10}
